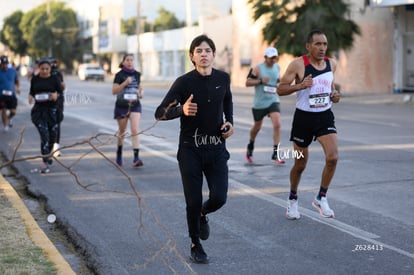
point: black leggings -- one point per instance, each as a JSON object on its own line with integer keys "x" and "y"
{"x": 46, "y": 124}
{"x": 193, "y": 163}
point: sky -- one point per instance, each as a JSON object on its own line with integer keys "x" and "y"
{"x": 149, "y": 8}
{"x": 8, "y": 7}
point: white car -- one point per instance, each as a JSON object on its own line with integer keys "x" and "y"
{"x": 91, "y": 71}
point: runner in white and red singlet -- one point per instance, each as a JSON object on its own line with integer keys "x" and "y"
{"x": 311, "y": 77}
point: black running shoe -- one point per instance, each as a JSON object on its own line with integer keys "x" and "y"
{"x": 276, "y": 158}
{"x": 198, "y": 255}
{"x": 249, "y": 153}
{"x": 204, "y": 228}
{"x": 44, "y": 169}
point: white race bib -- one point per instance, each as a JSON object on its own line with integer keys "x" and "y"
{"x": 130, "y": 96}
{"x": 7, "y": 93}
{"x": 42, "y": 97}
{"x": 318, "y": 100}
{"x": 269, "y": 89}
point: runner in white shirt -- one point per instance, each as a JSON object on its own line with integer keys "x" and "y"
{"x": 313, "y": 79}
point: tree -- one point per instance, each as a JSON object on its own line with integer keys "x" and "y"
{"x": 11, "y": 34}
{"x": 167, "y": 21}
{"x": 288, "y": 23}
{"x": 129, "y": 26}
{"x": 64, "y": 27}
{"x": 50, "y": 29}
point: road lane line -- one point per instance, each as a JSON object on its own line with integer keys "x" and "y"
{"x": 334, "y": 223}
{"x": 304, "y": 211}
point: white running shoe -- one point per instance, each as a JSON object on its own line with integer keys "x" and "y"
{"x": 44, "y": 168}
{"x": 292, "y": 212}
{"x": 6, "y": 128}
{"x": 323, "y": 207}
{"x": 56, "y": 151}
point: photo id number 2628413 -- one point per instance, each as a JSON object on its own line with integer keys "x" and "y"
{"x": 367, "y": 247}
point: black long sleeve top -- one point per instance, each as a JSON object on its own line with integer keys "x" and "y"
{"x": 39, "y": 85}
{"x": 214, "y": 102}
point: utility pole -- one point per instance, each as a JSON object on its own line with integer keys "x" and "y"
{"x": 188, "y": 13}
{"x": 49, "y": 50}
{"x": 138, "y": 29}
{"x": 98, "y": 49}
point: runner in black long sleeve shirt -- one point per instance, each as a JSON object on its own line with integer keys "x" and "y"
{"x": 213, "y": 97}
{"x": 200, "y": 98}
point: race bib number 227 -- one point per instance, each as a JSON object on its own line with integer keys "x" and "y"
{"x": 318, "y": 100}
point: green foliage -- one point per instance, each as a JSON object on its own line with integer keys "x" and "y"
{"x": 129, "y": 26}
{"x": 11, "y": 34}
{"x": 167, "y": 21}
{"x": 35, "y": 31}
{"x": 288, "y": 23}
{"x": 50, "y": 30}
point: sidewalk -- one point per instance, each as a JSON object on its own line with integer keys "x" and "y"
{"x": 15, "y": 212}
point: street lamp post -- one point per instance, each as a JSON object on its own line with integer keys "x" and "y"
{"x": 138, "y": 30}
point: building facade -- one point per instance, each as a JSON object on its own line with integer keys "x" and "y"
{"x": 165, "y": 55}
{"x": 381, "y": 60}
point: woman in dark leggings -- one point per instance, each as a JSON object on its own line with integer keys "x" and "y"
{"x": 44, "y": 89}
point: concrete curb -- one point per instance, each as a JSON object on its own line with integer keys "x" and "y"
{"x": 35, "y": 233}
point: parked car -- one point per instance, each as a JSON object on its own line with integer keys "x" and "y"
{"x": 91, "y": 71}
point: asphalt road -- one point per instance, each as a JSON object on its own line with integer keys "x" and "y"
{"x": 132, "y": 220}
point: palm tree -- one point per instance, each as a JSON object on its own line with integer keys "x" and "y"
{"x": 288, "y": 23}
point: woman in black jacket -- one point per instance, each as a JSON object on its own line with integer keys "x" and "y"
{"x": 44, "y": 90}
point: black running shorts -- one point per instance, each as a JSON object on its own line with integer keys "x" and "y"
{"x": 259, "y": 114}
{"x": 308, "y": 126}
{"x": 8, "y": 102}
